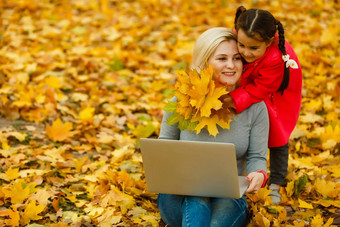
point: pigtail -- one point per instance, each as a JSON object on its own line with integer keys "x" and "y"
{"x": 239, "y": 11}
{"x": 285, "y": 79}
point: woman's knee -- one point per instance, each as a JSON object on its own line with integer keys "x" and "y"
{"x": 229, "y": 212}
{"x": 170, "y": 208}
{"x": 196, "y": 211}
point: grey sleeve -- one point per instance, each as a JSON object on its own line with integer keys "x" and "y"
{"x": 170, "y": 132}
{"x": 258, "y": 140}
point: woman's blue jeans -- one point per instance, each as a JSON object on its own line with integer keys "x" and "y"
{"x": 178, "y": 210}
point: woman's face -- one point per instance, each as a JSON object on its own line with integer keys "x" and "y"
{"x": 251, "y": 49}
{"x": 226, "y": 63}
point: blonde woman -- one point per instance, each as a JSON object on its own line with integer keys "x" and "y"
{"x": 248, "y": 132}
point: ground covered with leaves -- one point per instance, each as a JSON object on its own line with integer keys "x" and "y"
{"x": 82, "y": 80}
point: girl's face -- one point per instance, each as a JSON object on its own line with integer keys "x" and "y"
{"x": 251, "y": 49}
{"x": 226, "y": 63}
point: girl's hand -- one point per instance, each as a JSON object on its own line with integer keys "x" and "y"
{"x": 227, "y": 101}
{"x": 255, "y": 180}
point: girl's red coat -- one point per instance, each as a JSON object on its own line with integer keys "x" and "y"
{"x": 260, "y": 81}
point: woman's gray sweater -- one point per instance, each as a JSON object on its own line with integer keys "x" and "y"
{"x": 248, "y": 132}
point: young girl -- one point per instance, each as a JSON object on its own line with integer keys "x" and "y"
{"x": 272, "y": 73}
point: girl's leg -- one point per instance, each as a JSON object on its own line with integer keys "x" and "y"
{"x": 278, "y": 171}
{"x": 170, "y": 208}
{"x": 228, "y": 212}
{"x": 196, "y": 211}
{"x": 278, "y": 164}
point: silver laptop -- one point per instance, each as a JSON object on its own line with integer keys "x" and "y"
{"x": 192, "y": 168}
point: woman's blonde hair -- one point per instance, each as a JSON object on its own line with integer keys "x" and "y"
{"x": 207, "y": 43}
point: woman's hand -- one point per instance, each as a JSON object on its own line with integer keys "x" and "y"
{"x": 255, "y": 180}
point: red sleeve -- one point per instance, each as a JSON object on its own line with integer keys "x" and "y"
{"x": 267, "y": 81}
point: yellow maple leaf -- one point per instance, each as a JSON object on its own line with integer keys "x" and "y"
{"x": 150, "y": 219}
{"x": 111, "y": 198}
{"x": 53, "y": 82}
{"x": 327, "y": 37}
{"x": 198, "y": 100}
{"x": 201, "y": 86}
{"x": 94, "y": 211}
{"x": 261, "y": 195}
{"x": 72, "y": 217}
{"x": 297, "y": 224}
{"x": 117, "y": 198}
{"x": 36, "y": 115}
{"x": 335, "y": 170}
{"x": 326, "y": 188}
{"x": 14, "y": 217}
{"x": 18, "y": 192}
{"x": 127, "y": 203}
{"x": 282, "y": 214}
{"x": 184, "y": 101}
{"x": 31, "y": 212}
{"x": 303, "y": 204}
{"x": 212, "y": 101}
{"x": 209, "y": 123}
{"x": 86, "y": 114}
{"x": 200, "y": 82}
{"x": 19, "y": 136}
{"x": 336, "y": 203}
{"x": 304, "y": 162}
{"x": 42, "y": 196}
{"x": 4, "y": 145}
{"x": 261, "y": 220}
{"x": 143, "y": 131}
{"x": 25, "y": 100}
{"x": 290, "y": 188}
{"x": 183, "y": 82}
{"x": 314, "y": 105}
{"x": 329, "y": 104}
{"x": 326, "y": 202}
{"x": 108, "y": 218}
{"x": 332, "y": 116}
{"x": 184, "y": 108}
{"x": 318, "y": 221}
{"x": 183, "y": 87}
{"x": 186, "y": 112}
{"x": 12, "y": 173}
{"x": 311, "y": 118}
{"x": 59, "y": 131}
{"x": 329, "y": 223}
{"x": 105, "y": 138}
{"x": 330, "y": 137}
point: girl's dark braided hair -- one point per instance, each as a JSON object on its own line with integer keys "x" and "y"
{"x": 263, "y": 23}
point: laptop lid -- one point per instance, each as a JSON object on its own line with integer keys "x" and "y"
{"x": 192, "y": 168}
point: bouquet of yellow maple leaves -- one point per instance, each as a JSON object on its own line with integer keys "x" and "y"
{"x": 198, "y": 103}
